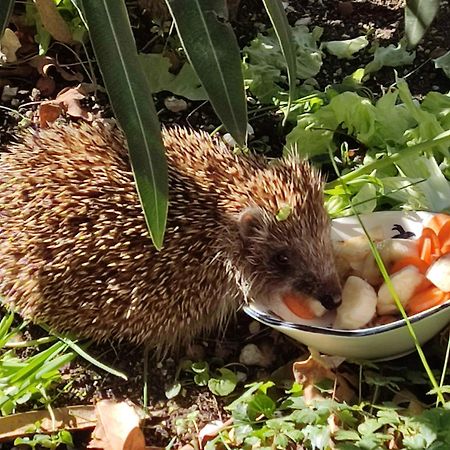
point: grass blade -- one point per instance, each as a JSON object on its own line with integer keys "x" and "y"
{"x": 283, "y": 31}
{"x": 131, "y": 99}
{"x": 213, "y": 51}
{"x": 6, "y": 7}
{"x": 418, "y": 17}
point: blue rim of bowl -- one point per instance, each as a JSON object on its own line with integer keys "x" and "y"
{"x": 275, "y": 322}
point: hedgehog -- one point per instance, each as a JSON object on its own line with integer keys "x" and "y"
{"x": 75, "y": 252}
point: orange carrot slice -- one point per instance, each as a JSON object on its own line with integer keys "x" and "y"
{"x": 409, "y": 261}
{"x": 437, "y": 222}
{"x": 444, "y": 235}
{"x": 298, "y": 305}
{"x": 429, "y": 246}
{"x": 426, "y": 299}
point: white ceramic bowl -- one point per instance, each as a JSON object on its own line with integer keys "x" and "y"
{"x": 381, "y": 342}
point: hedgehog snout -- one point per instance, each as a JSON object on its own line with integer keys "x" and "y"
{"x": 330, "y": 301}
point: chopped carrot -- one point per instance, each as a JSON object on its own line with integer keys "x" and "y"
{"x": 409, "y": 261}
{"x": 445, "y": 248}
{"x": 426, "y": 299}
{"x": 429, "y": 246}
{"x": 425, "y": 250}
{"x": 297, "y": 304}
{"x": 437, "y": 222}
{"x": 426, "y": 283}
{"x": 444, "y": 235}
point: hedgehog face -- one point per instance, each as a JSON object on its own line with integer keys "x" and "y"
{"x": 294, "y": 255}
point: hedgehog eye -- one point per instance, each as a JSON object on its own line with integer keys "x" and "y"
{"x": 281, "y": 259}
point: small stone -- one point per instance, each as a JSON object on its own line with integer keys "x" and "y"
{"x": 8, "y": 93}
{"x": 251, "y": 355}
{"x": 175, "y": 104}
{"x": 303, "y": 21}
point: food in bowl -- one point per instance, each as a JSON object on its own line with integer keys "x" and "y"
{"x": 418, "y": 266}
{"x": 381, "y": 340}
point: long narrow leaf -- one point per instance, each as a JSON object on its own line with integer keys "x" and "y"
{"x": 283, "y": 31}
{"x": 6, "y": 7}
{"x": 418, "y": 17}
{"x": 131, "y": 99}
{"x": 213, "y": 51}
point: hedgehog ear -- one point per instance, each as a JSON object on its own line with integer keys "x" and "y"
{"x": 250, "y": 220}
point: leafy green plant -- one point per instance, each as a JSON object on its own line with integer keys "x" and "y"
{"x": 51, "y": 441}
{"x": 418, "y": 17}
{"x": 262, "y": 419}
{"x": 221, "y": 381}
{"x": 23, "y": 380}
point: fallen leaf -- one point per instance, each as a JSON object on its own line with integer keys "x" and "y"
{"x": 68, "y": 101}
{"x": 69, "y": 418}
{"x": 48, "y": 113}
{"x": 318, "y": 368}
{"x": 117, "y": 427}
{"x": 211, "y": 430}
{"x": 52, "y": 21}
{"x": 9, "y": 44}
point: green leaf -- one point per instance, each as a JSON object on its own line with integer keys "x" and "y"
{"x": 213, "y": 51}
{"x": 285, "y": 37}
{"x": 6, "y": 7}
{"x": 261, "y": 404}
{"x": 225, "y": 384}
{"x": 173, "y": 390}
{"x": 443, "y": 62}
{"x": 185, "y": 83}
{"x": 345, "y": 49}
{"x": 418, "y": 17}
{"x": 131, "y": 99}
{"x": 390, "y": 56}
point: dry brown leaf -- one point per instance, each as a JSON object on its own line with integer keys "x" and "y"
{"x": 69, "y": 418}
{"x": 52, "y": 21}
{"x": 48, "y": 113}
{"x": 68, "y": 101}
{"x": 117, "y": 427}
{"x": 211, "y": 430}
{"x": 318, "y": 368}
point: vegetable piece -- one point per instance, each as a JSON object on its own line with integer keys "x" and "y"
{"x": 439, "y": 273}
{"x": 390, "y": 251}
{"x": 437, "y": 222}
{"x": 405, "y": 283}
{"x": 299, "y": 306}
{"x": 359, "y": 303}
{"x": 426, "y": 299}
{"x": 409, "y": 261}
{"x": 353, "y": 250}
{"x": 429, "y": 246}
{"x": 444, "y": 237}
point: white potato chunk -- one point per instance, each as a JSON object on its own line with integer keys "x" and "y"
{"x": 359, "y": 302}
{"x": 405, "y": 282}
{"x": 439, "y": 273}
{"x": 393, "y": 249}
{"x": 390, "y": 251}
{"x": 352, "y": 250}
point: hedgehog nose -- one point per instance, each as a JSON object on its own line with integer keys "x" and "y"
{"x": 329, "y": 301}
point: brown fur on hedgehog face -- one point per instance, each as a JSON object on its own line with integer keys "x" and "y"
{"x": 292, "y": 255}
